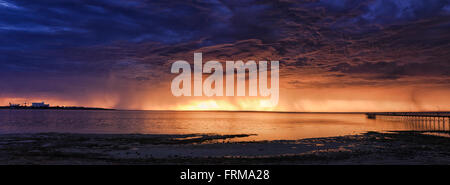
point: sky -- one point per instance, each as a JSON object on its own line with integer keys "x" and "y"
{"x": 335, "y": 55}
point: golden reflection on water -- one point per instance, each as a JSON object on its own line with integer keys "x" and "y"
{"x": 274, "y": 126}
{"x": 266, "y": 126}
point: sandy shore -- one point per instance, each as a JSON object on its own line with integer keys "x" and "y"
{"x": 370, "y": 148}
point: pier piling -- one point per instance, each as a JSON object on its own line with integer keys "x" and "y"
{"x": 419, "y": 120}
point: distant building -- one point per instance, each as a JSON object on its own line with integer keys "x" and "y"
{"x": 14, "y": 105}
{"x": 42, "y": 104}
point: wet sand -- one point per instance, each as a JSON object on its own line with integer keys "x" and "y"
{"x": 399, "y": 147}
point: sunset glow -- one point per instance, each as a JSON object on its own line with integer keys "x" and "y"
{"x": 244, "y": 104}
{"x": 207, "y": 105}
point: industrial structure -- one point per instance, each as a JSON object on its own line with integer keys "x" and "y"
{"x": 41, "y": 104}
{"x": 34, "y": 105}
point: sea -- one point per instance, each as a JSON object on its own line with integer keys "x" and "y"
{"x": 261, "y": 125}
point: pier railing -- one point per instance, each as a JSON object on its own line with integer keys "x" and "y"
{"x": 417, "y": 120}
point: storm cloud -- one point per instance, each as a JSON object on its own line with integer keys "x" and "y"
{"x": 73, "y": 49}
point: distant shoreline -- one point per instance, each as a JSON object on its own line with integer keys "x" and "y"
{"x": 53, "y": 108}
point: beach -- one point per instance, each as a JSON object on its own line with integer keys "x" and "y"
{"x": 395, "y": 147}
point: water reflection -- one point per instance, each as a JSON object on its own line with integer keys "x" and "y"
{"x": 267, "y": 126}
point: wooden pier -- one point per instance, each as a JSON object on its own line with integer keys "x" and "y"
{"x": 373, "y": 115}
{"x": 418, "y": 120}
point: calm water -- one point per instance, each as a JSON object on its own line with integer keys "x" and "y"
{"x": 267, "y": 126}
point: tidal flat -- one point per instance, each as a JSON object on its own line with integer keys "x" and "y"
{"x": 394, "y": 147}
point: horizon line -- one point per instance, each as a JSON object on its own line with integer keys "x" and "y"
{"x": 313, "y": 112}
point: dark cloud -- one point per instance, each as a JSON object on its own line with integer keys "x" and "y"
{"x": 351, "y": 42}
{"x": 393, "y": 70}
{"x": 73, "y": 23}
